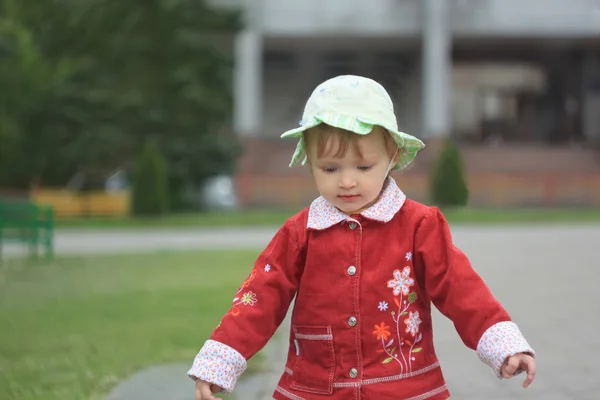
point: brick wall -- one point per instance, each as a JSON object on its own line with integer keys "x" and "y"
{"x": 507, "y": 176}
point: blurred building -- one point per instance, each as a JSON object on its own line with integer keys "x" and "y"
{"x": 516, "y": 82}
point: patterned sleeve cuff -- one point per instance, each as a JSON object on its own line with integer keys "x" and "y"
{"x": 499, "y": 342}
{"x": 218, "y": 364}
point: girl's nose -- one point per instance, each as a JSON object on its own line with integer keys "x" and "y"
{"x": 347, "y": 182}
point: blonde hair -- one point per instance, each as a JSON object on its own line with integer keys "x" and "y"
{"x": 332, "y": 141}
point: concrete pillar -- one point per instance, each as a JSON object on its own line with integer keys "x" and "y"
{"x": 248, "y": 83}
{"x": 437, "y": 67}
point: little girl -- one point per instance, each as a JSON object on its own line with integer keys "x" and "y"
{"x": 365, "y": 264}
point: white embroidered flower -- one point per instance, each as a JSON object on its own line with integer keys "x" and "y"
{"x": 249, "y": 299}
{"x": 412, "y": 323}
{"x": 401, "y": 282}
{"x": 383, "y": 306}
{"x": 267, "y": 268}
{"x": 408, "y": 256}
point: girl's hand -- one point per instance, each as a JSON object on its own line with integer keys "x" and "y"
{"x": 521, "y": 361}
{"x": 204, "y": 390}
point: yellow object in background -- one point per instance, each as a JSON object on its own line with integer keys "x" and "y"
{"x": 68, "y": 204}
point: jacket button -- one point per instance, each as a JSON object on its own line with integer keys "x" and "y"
{"x": 353, "y": 373}
{"x": 352, "y": 225}
{"x": 351, "y": 270}
{"x": 352, "y": 321}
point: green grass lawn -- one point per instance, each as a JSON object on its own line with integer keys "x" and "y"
{"x": 73, "y": 329}
{"x": 277, "y": 217}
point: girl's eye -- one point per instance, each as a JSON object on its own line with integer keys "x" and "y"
{"x": 364, "y": 167}
{"x": 329, "y": 170}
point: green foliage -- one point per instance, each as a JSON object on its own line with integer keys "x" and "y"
{"x": 447, "y": 181}
{"x": 27, "y": 79}
{"x": 89, "y": 81}
{"x": 150, "y": 196}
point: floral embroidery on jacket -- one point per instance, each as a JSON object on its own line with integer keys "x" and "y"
{"x": 248, "y": 280}
{"x": 412, "y": 323}
{"x": 382, "y": 331}
{"x": 401, "y": 349}
{"x": 383, "y": 306}
{"x": 248, "y": 298}
{"x": 401, "y": 282}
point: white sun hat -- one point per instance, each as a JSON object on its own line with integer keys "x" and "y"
{"x": 356, "y": 104}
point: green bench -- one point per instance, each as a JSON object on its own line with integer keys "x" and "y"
{"x": 27, "y": 224}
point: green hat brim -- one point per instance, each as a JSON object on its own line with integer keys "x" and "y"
{"x": 408, "y": 144}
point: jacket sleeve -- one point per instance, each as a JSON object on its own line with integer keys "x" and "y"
{"x": 462, "y": 296}
{"x": 258, "y": 308}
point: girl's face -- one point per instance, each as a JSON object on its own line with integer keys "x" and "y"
{"x": 353, "y": 180}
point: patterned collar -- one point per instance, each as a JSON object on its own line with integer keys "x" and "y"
{"x": 323, "y": 215}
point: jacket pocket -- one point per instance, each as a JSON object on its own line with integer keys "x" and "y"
{"x": 315, "y": 360}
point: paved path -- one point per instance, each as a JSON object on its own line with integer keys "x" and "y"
{"x": 163, "y": 382}
{"x": 547, "y": 277}
{"x": 125, "y": 241}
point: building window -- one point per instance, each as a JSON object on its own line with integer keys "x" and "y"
{"x": 334, "y": 64}
{"x": 390, "y": 69}
{"x": 279, "y": 61}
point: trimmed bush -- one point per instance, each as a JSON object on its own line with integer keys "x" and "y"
{"x": 150, "y": 195}
{"x": 447, "y": 182}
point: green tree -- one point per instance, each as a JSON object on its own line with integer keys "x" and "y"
{"x": 107, "y": 75}
{"x": 27, "y": 78}
{"x": 150, "y": 196}
{"x": 447, "y": 181}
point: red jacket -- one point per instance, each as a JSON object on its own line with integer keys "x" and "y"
{"x": 361, "y": 324}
